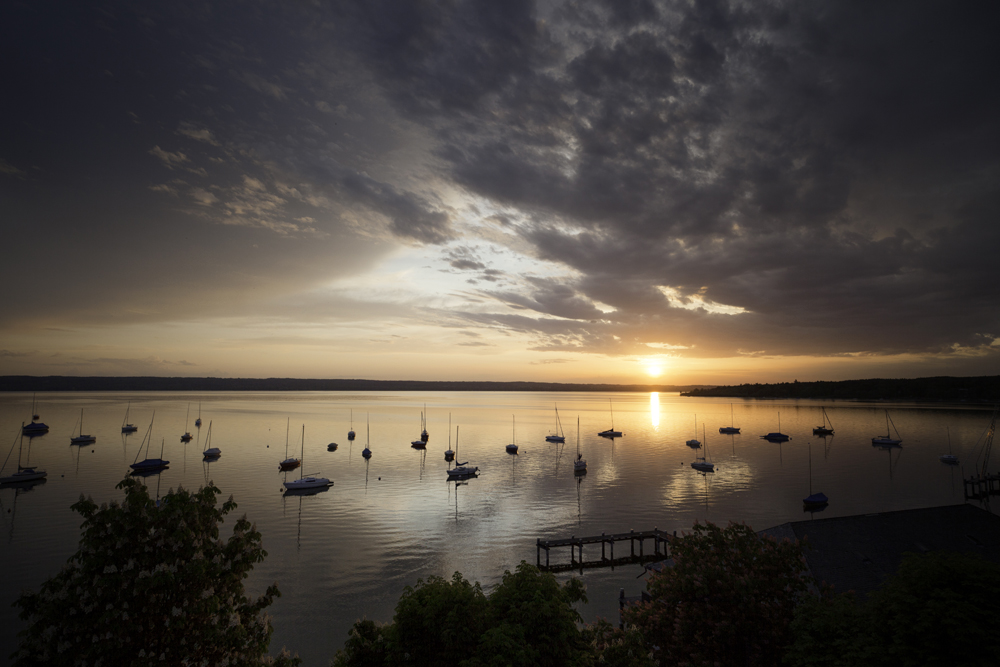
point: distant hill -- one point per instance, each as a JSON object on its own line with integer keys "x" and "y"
{"x": 984, "y": 389}
{"x": 67, "y": 383}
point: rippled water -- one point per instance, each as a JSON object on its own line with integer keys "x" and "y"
{"x": 348, "y": 552}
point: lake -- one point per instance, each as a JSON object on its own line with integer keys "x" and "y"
{"x": 348, "y": 552}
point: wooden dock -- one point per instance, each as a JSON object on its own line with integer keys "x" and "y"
{"x": 980, "y": 487}
{"x": 660, "y": 543}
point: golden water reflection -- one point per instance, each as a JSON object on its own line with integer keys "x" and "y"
{"x": 654, "y": 409}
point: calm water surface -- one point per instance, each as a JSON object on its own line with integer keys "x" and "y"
{"x": 347, "y": 553}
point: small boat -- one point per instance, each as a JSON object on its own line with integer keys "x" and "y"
{"x": 887, "y": 440}
{"x": 126, "y": 427}
{"x": 701, "y": 463}
{"x": 187, "y": 434}
{"x": 732, "y": 428}
{"x": 332, "y": 447}
{"x": 826, "y": 428}
{"x": 814, "y": 501}
{"x": 449, "y": 453}
{"x": 694, "y": 442}
{"x": 82, "y": 439}
{"x": 423, "y": 428}
{"x": 611, "y": 432}
{"x": 580, "y": 464}
{"x": 776, "y": 436}
{"x": 148, "y": 464}
{"x": 350, "y": 434}
{"x": 421, "y": 443}
{"x": 34, "y": 428}
{"x": 210, "y": 452}
{"x": 24, "y": 473}
{"x": 461, "y": 470}
{"x": 34, "y": 412}
{"x": 304, "y": 483}
{"x": 367, "y": 452}
{"x": 949, "y": 458}
{"x": 197, "y": 422}
{"x": 558, "y": 436}
{"x": 512, "y": 447}
{"x": 290, "y": 463}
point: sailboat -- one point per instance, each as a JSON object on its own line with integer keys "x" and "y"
{"x": 512, "y": 447}
{"x": 303, "y": 482}
{"x": 887, "y": 440}
{"x": 732, "y": 428}
{"x": 187, "y": 434}
{"x": 421, "y": 443}
{"x": 148, "y": 464}
{"x": 126, "y": 427}
{"x": 350, "y": 434}
{"x": 461, "y": 470}
{"x": 24, "y": 473}
{"x": 949, "y": 457}
{"x": 776, "y": 436}
{"x": 423, "y": 427}
{"x": 82, "y": 439}
{"x": 197, "y": 422}
{"x": 824, "y": 429}
{"x": 35, "y": 427}
{"x": 210, "y": 452}
{"x": 579, "y": 465}
{"x": 558, "y": 436}
{"x": 694, "y": 442}
{"x": 701, "y": 463}
{"x": 815, "y": 501}
{"x": 611, "y": 432}
{"x": 290, "y": 463}
{"x": 367, "y": 452}
{"x": 34, "y": 412}
{"x": 332, "y": 447}
{"x": 449, "y": 454}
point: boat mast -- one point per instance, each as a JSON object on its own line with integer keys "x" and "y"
{"x": 302, "y": 454}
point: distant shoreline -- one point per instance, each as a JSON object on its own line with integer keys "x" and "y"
{"x": 982, "y": 389}
{"x": 68, "y": 383}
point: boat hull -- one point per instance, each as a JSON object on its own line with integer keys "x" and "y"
{"x": 30, "y": 475}
{"x": 35, "y": 428}
{"x": 729, "y": 430}
{"x": 886, "y": 442}
{"x": 555, "y": 438}
{"x": 308, "y": 483}
{"x": 83, "y": 440}
{"x": 149, "y": 464}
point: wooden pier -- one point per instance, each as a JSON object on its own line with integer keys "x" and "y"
{"x": 980, "y": 487}
{"x": 660, "y": 543}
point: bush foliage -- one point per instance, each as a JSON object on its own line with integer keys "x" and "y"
{"x": 152, "y": 583}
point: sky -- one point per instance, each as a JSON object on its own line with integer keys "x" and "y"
{"x": 622, "y": 191}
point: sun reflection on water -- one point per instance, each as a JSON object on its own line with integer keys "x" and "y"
{"x": 654, "y": 409}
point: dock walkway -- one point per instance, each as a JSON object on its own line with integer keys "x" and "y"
{"x": 661, "y": 542}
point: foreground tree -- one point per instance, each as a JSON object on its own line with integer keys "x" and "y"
{"x": 937, "y": 609}
{"x": 728, "y": 599}
{"x": 527, "y": 619}
{"x": 152, "y": 583}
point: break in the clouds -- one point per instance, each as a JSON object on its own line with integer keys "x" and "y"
{"x": 704, "y": 179}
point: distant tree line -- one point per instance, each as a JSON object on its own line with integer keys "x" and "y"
{"x": 982, "y": 389}
{"x": 69, "y": 383}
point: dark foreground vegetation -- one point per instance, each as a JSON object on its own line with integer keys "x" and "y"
{"x": 154, "y": 584}
{"x": 983, "y": 389}
{"x": 69, "y": 383}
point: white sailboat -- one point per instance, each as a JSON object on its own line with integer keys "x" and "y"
{"x": 702, "y": 463}
{"x": 126, "y": 427}
{"x": 694, "y": 442}
{"x": 290, "y": 463}
{"x": 304, "y": 482}
{"x": 187, "y": 434}
{"x": 82, "y": 439}
{"x": 24, "y": 473}
{"x": 558, "y": 436}
{"x": 580, "y": 464}
{"x": 611, "y": 432}
{"x": 949, "y": 458}
{"x": 732, "y": 428}
{"x": 512, "y": 447}
{"x": 887, "y": 440}
{"x": 776, "y": 436}
{"x": 210, "y": 452}
{"x": 461, "y": 470}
